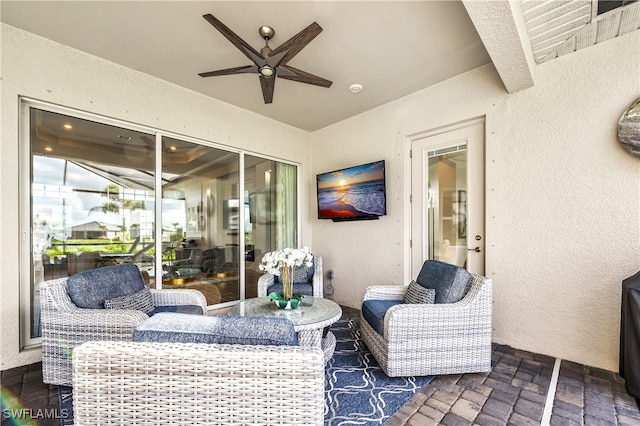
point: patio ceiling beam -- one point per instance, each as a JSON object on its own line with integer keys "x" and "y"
{"x": 501, "y": 28}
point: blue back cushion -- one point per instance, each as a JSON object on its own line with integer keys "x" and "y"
{"x": 298, "y": 272}
{"x": 89, "y": 289}
{"x": 449, "y": 281}
{"x": 185, "y": 328}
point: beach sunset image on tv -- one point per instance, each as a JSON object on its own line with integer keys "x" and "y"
{"x": 352, "y": 192}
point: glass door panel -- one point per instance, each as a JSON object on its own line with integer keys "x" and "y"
{"x": 92, "y": 199}
{"x": 271, "y": 219}
{"x": 446, "y": 201}
{"x": 200, "y": 220}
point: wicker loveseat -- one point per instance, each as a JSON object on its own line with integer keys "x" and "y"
{"x": 423, "y": 339}
{"x": 311, "y": 285}
{"x": 172, "y": 375}
{"x": 65, "y": 325}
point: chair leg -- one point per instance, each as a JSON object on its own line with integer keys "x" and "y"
{"x": 65, "y": 396}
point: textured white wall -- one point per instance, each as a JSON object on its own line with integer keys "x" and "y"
{"x": 41, "y": 69}
{"x": 562, "y": 197}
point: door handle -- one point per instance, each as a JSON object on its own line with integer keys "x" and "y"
{"x": 477, "y": 249}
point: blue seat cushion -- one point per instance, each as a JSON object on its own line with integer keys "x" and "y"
{"x": 181, "y": 309}
{"x": 304, "y": 289}
{"x": 374, "y": 310}
{"x": 239, "y": 330}
{"x": 449, "y": 281}
{"x": 89, "y": 289}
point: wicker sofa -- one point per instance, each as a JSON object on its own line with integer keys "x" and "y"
{"x": 65, "y": 325}
{"x": 313, "y": 285}
{"x": 432, "y": 339}
{"x": 187, "y": 370}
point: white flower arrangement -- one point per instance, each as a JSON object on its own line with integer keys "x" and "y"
{"x": 273, "y": 261}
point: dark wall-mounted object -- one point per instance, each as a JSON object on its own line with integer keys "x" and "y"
{"x": 352, "y": 193}
{"x": 630, "y": 336}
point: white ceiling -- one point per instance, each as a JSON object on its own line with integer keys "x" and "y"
{"x": 392, "y": 48}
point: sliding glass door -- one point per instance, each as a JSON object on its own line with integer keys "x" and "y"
{"x": 92, "y": 199}
{"x": 271, "y": 220}
{"x": 93, "y": 187}
{"x": 200, "y": 220}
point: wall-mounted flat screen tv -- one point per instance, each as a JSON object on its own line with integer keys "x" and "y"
{"x": 353, "y": 193}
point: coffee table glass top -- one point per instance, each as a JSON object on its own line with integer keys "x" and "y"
{"x": 310, "y": 311}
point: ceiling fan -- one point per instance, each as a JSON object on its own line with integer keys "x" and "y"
{"x": 270, "y": 63}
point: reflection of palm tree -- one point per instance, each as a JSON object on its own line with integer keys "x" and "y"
{"x": 117, "y": 205}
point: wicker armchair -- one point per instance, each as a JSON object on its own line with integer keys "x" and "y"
{"x": 432, "y": 339}
{"x": 130, "y": 383}
{"x": 65, "y": 325}
{"x": 314, "y": 286}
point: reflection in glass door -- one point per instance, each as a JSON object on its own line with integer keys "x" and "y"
{"x": 447, "y": 205}
{"x": 447, "y": 208}
{"x": 200, "y": 220}
{"x": 92, "y": 199}
{"x": 92, "y": 203}
{"x": 271, "y": 219}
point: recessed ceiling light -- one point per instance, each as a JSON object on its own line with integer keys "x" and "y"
{"x": 355, "y": 88}
{"x": 124, "y": 138}
{"x": 173, "y": 148}
{"x": 48, "y": 148}
{"x": 68, "y": 126}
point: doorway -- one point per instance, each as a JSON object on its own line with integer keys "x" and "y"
{"x": 447, "y": 197}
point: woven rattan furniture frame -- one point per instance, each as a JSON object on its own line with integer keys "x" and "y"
{"x": 432, "y": 339}
{"x": 65, "y": 326}
{"x": 265, "y": 281}
{"x": 131, "y": 383}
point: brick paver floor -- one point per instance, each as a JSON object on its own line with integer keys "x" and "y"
{"x": 514, "y": 392}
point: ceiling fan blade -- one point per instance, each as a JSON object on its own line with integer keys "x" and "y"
{"x": 268, "y": 85}
{"x": 296, "y": 43}
{"x": 234, "y": 38}
{"x": 303, "y": 77}
{"x": 228, "y": 71}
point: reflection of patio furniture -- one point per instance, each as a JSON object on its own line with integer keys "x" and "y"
{"x": 193, "y": 260}
{"x": 242, "y": 379}
{"x": 310, "y": 285}
{"x": 72, "y": 312}
{"x": 78, "y": 262}
{"x": 220, "y": 260}
{"x": 110, "y": 259}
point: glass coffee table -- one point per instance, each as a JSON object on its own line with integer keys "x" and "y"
{"x": 310, "y": 319}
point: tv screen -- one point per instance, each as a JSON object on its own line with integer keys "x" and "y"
{"x": 352, "y": 193}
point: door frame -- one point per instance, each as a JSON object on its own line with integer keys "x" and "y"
{"x": 409, "y": 139}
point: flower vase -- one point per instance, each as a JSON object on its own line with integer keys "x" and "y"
{"x": 287, "y": 282}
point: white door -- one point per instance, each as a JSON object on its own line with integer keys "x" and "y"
{"x": 447, "y": 197}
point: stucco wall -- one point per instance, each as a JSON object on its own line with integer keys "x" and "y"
{"x": 562, "y": 197}
{"x": 45, "y": 70}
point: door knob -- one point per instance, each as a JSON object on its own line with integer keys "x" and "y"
{"x": 477, "y": 249}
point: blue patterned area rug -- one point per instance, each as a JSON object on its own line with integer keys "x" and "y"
{"x": 357, "y": 390}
